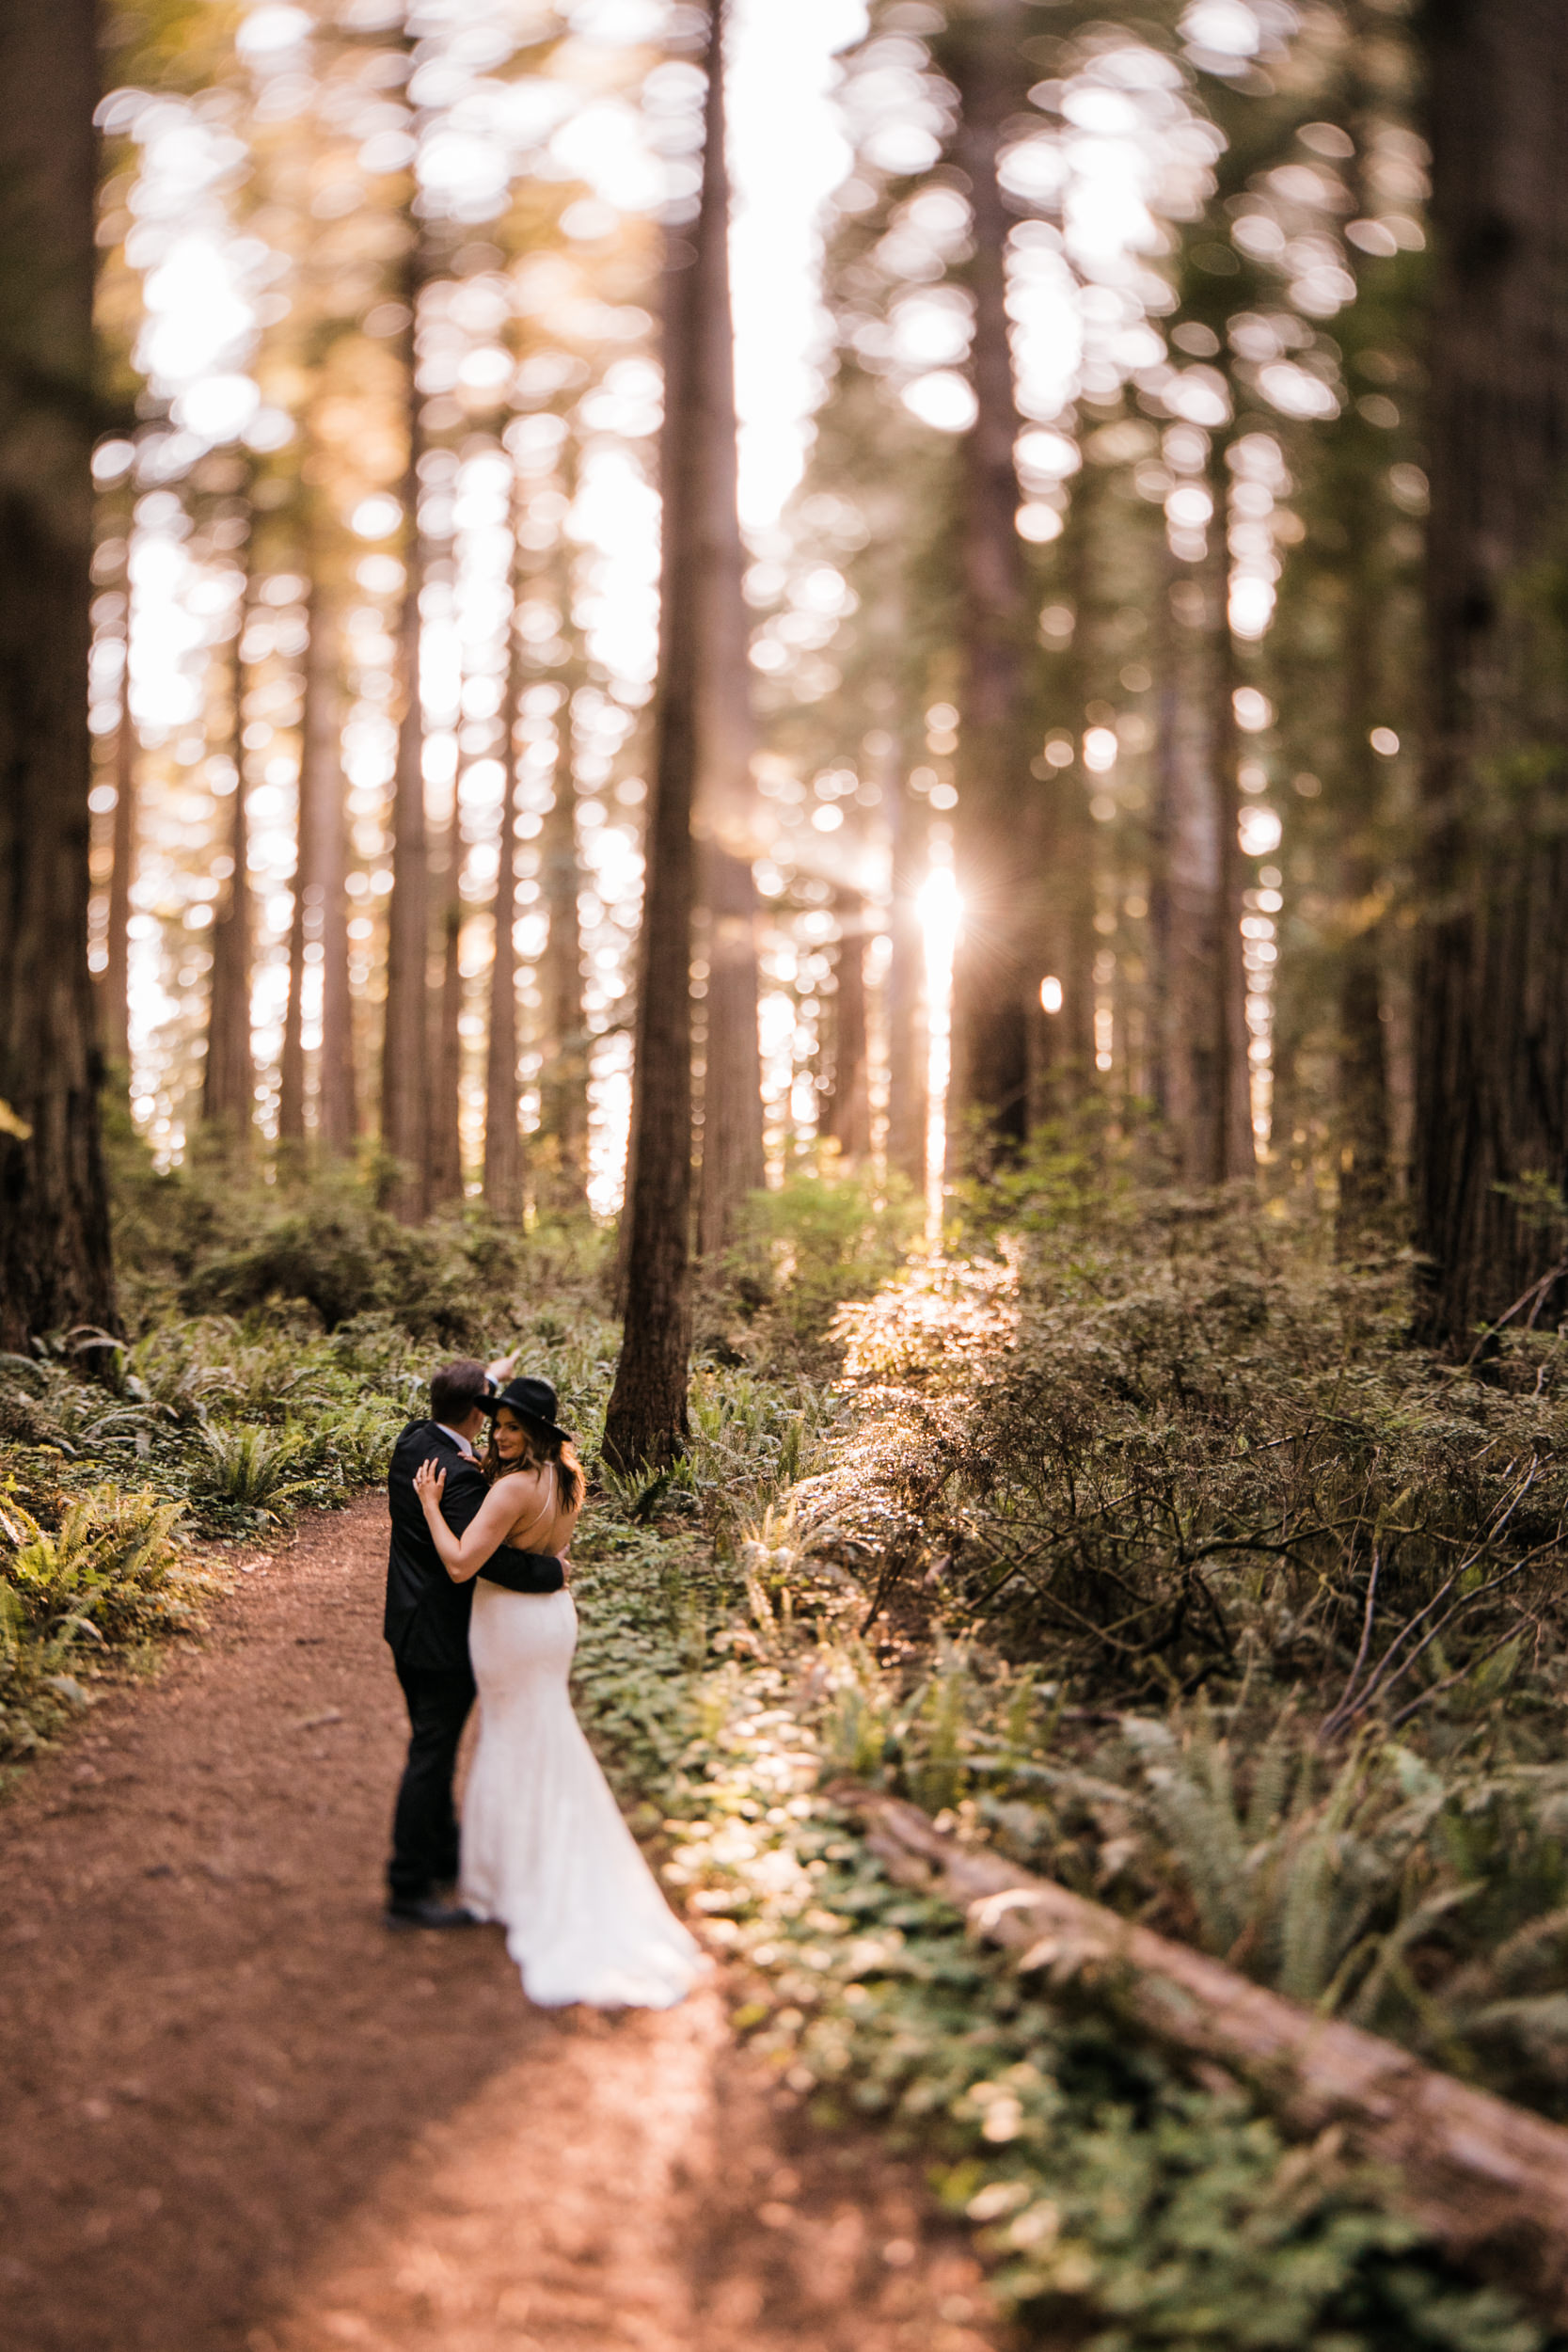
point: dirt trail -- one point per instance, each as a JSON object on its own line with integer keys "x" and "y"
{"x": 237, "y": 2116}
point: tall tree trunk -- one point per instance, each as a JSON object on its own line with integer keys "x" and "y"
{"x": 1235, "y": 1151}
{"x": 1206, "y": 1070}
{"x": 291, "y": 1069}
{"x": 646, "y": 1422}
{"x": 54, "y": 1258}
{"x": 847, "y": 1113}
{"x": 1192, "y": 889}
{"x": 1363, "y": 1056}
{"x": 732, "y": 1083}
{"x": 404, "y": 1052}
{"x": 1161, "y": 834}
{"x": 503, "y": 1142}
{"x": 117, "y": 970}
{"x": 1490, "y": 1147}
{"x": 1054, "y": 844}
{"x": 732, "y": 1162}
{"x": 1365, "y": 1155}
{"x": 982, "y": 54}
{"x": 563, "y": 1076}
{"x": 337, "y": 1098}
{"x": 443, "y": 1148}
{"x": 906, "y": 1056}
{"x": 228, "y": 1077}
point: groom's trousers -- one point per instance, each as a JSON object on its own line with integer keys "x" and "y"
{"x": 424, "y": 1826}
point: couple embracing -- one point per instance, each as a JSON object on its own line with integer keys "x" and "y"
{"x": 484, "y": 1497}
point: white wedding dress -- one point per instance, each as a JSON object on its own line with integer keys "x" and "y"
{"x": 544, "y": 1849}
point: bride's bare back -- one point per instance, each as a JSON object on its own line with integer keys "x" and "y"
{"x": 542, "y": 1523}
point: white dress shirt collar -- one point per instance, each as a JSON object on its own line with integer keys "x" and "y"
{"x": 458, "y": 1440}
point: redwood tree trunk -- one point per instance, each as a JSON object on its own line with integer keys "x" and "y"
{"x": 847, "y": 1114}
{"x": 117, "y": 970}
{"x": 1363, "y": 1056}
{"x": 503, "y": 1143}
{"x": 1491, "y": 1145}
{"x": 443, "y": 1148}
{"x": 1235, "y": 1153}
{"x": 563, "y": 1077}
{"x": 336, "y": 1099}
{"x": 291, "y": 1070}
{"x": 1366, "y": 1172}
{"x": 732, "y": 1082}
{"x": 55, "y": 1261}
{"x": 405, "y": 1033}
{"x": 991, "y": 978}
{"x": 1058, "y": 834}
{"x": 1204, "y": 1056}
{"x": 646, "y": 1422}
{"x": 905, "y": 1041}
{"x": 228, "y": 1077}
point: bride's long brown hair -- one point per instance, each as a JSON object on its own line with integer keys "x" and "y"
{"x": 541, "y": 1451}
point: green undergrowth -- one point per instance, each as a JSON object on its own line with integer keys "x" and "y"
{"x": 277, "y": 1336}
{"x": 1139, "y": 1547}
{"x": 1147, "y": 1552}
{"x": 1122, "y": 2202}
{"x": 90, "y": 1583}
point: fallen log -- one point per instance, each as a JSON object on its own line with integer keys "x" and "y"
{"x": 1487, "y": 2179}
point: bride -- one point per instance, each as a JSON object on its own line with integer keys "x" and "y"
{"x": 544, "y": 1850}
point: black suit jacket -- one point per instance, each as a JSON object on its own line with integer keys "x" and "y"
{"x": 427, "y": 1615}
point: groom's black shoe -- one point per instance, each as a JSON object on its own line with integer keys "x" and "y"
{"x": 427, "y": 1910}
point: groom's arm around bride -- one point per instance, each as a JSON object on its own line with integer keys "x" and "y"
{"x": 426, "y": 1627}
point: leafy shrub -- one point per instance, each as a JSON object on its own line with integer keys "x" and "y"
{"x": 108, "y": 1575}
{"x": 1124, "y": 2204}
{"x": 247, "y": 1469}
{"x": 1201, "y": 1451}
{"x": 823, "y": 1236}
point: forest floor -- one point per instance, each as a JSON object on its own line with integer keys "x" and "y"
{"x": 242, "y": 2117}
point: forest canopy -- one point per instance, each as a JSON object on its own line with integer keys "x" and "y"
{"x": 1082, "y": 730}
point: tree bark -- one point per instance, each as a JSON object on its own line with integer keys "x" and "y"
{"x": 291, "y": 1067}
{"x": 55, "y": 1256}
{"x": 444, "y": 1147}
{"x": 405, "y": 1053}
{"x": 732, "y": 1156}
{"x": 117, "y": 970}
{"x": 1363, "y": 1058}
{"x": 732, "y": 1164}
{"x": 847, "y": 1113}
{"x": 337, "y": 1097}
{"x": 1366, "y": 1172}
{"x": 228, "y": 1075}
{"x": 991, "y": 980}
{"x": 1491, "y": 1151}
{"x": 1489, "y": 2180}
{"x": 1235, "y": 1153}
{"x": 646, "y": 1423}
{"x": 1059, "y": 853}
{"x": 1205, "y": 1034}
{"x": 563, "y": 1077}
{"x": 906, "y": 1042}
{"x": 503, "y": 1142}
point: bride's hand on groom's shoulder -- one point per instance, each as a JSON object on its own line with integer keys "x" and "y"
{"x": 430, "y": 1483}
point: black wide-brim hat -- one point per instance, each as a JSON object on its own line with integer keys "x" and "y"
{"x": 535, "y": 1399}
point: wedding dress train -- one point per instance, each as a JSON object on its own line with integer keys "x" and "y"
{"x": 544, "y": 1849}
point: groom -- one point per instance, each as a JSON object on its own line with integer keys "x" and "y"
{"x": 427, "y": 1627}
